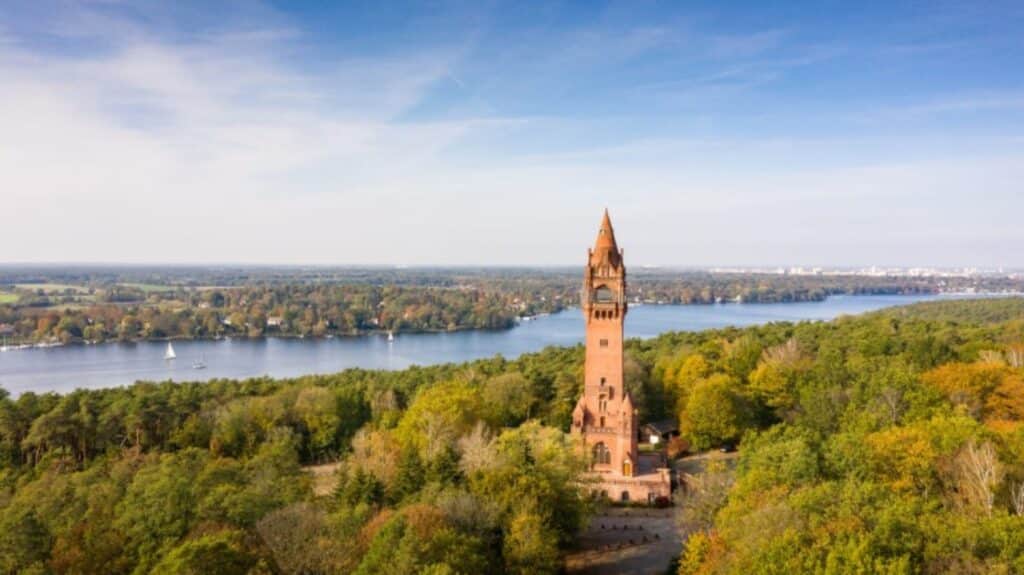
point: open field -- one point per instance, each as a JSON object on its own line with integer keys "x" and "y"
{"x": 148, "y": 288}
{"x": 324, "y": 479}
{"x": 49, "y": 288}
{"x": 8, "y": 298}
{"x": 67, "y": 306}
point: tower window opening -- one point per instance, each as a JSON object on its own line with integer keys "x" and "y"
{"x": 604, "y": 343}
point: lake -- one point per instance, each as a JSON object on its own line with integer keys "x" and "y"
{"x": 65, "y": 368}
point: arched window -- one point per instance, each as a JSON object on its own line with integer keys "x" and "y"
{"x": 601, "y": 454}
{"x": 625, "y": 496}
{"x": 604, "y": 294}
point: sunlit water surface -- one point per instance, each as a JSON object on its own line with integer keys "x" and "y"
{"x": 111, "y": 364}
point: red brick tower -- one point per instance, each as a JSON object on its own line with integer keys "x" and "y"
{"x": 604, "y": 416}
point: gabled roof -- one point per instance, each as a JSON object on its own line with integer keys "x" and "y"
{"x": 627, "y": 400}
{"x": 663, "y": 426}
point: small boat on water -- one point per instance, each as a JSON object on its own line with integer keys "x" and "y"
{"x": 169, "y": 354}
{"x": 391, "y": 337}
{"x": 199, "y": 363}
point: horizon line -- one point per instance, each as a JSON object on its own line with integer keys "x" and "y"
{"x": 703, "y": 267}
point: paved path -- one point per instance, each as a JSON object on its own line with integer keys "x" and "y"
{"x": 652, "y": 540}
{"x": 627, "y": 540}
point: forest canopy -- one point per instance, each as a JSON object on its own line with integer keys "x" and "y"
{"x": 889, "y": 442}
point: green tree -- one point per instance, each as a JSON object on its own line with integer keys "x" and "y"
{"x": 221, "y": 552}
{"x": 715, "y": 413}
{"x": 531, "y": 547}
{"x": 508, "y": 399}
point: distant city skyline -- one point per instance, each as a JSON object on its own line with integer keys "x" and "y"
{"x": 494, "y": 135}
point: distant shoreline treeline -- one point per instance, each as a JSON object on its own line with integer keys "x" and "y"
{"x": 905, "y": 421}
{"x": 112, "y": 308}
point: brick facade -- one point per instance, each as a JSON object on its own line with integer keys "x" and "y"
{"x": 604, "y": 418}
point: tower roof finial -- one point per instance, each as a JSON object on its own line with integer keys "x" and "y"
{"x": 605, "y": 245}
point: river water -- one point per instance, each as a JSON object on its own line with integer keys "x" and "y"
{"x": 65, "y": 368}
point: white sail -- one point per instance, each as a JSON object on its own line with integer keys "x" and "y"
{"x": 169, "y": 354}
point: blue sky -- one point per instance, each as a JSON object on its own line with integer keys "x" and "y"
{"x": 757, "y": 133}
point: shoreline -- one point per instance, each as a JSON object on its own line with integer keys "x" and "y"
{"x": 516, "y": 321}
{"x": 34, "y": 372}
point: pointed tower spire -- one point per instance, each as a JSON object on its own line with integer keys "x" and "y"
{"x": 605, "y": 248}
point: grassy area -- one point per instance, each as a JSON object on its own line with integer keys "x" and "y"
{"x": 8, "y": 298}
{"x": 148, "y": 288}
{"x": 66, "y": 306}
{"x": 53, "y": 288}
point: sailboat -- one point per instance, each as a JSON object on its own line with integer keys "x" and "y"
{"x": 199, "y": 363}
{"x": 391, "y": 336}
{"x": 169, "y": 354}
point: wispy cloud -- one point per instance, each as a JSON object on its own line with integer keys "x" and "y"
{"x": 201, "y": 131}
{"x": 724, "y": 78}
{"x": 744, "y": 45}
{"x": 173, "y": 134}
{"x": 942, "y": 107}
{"x": 970, "y": 103}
